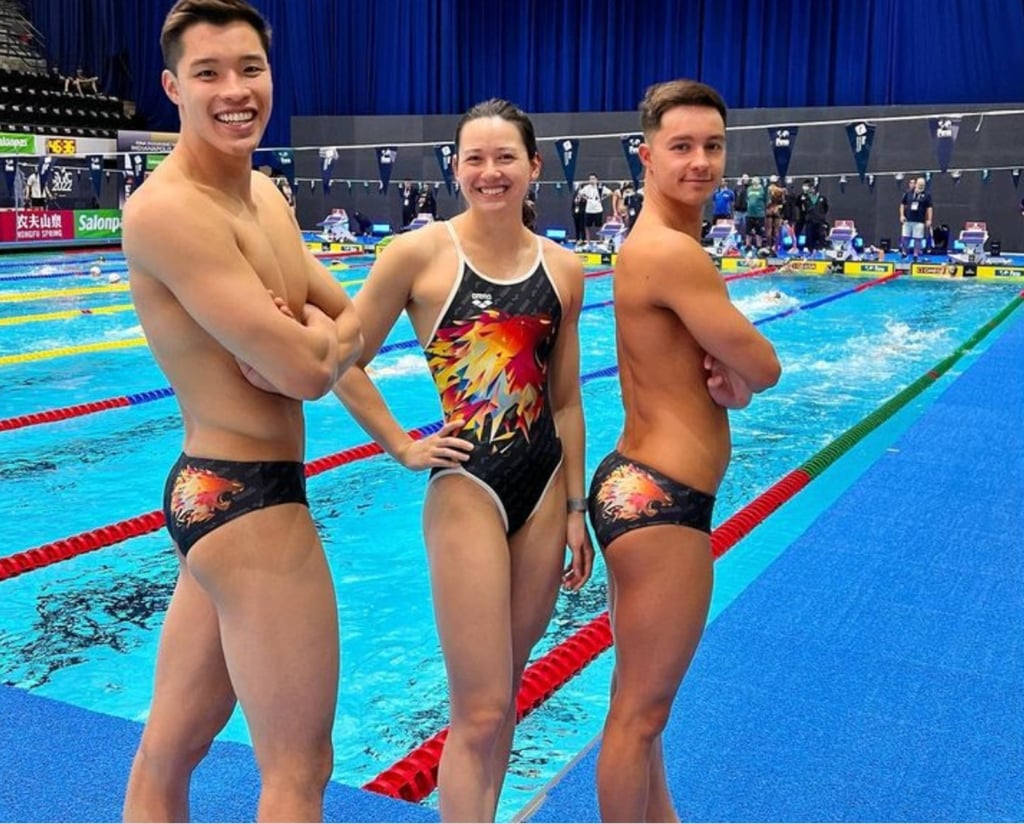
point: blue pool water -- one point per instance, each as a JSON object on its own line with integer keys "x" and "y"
{"x": 85, "y": 630}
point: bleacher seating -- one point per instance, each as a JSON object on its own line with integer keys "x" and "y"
{"x": 32, "y": 102}
{"x": 33, "y": 97}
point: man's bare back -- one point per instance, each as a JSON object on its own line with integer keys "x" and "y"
{"x": 671, "y": 422}
{"x": 686, "y": 356}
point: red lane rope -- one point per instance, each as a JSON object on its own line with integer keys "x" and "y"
{"x": 91, "y": 407}
{"x": 64, "y": 548}
{"x": 51, "y": 415}
{"x": 350, "y": 253}
{"x": 414, "y": 776}
{"x": 764, "y": 270}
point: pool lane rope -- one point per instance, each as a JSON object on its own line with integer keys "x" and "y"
{"x": 413, "y": 777}
{"x": 47, "y": 294}
{"x": 66, "y": 314}
{"x": 63, "y": 351}
{"x": 104, "y": 346}
{"x": 89, "y": 408}
{"x": 115, "y": 533}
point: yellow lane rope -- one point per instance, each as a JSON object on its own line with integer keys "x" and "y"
{"x": 77, "y": 291}
{"x": 67, "y": 313}
{"x": 45, "y": 354}
{"x": 46, "y": 294}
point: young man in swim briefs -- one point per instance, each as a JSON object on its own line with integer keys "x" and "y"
{"x": 651, "y": 499}
{"x": 253, "y": 618}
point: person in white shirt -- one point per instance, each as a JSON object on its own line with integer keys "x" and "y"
{"x": 34, "y": 193}
{"x": 595, "y": 192}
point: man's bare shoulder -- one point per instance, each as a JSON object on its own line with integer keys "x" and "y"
{"x": 657, "y": 253}
{"x": 166, "y": 208}
{"x": 658, "y": 247}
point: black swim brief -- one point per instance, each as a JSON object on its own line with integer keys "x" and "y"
{"x": 202, "y": 494}
{"x": 627, "y": 495}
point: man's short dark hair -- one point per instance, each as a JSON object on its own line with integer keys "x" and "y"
{"x": 661, "y": 97}
{"x": 187, "y": 13}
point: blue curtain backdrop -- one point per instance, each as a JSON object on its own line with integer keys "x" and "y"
{"x": 385, "y": 57}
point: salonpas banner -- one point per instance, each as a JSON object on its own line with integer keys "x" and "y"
{"x": 97, "y": 224}
{"x": 13, "y": 143}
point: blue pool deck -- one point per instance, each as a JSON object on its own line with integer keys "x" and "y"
{"x": 873, "y": 672}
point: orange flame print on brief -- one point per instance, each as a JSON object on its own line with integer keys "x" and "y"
{"x": 199, "y": 493}
{"x": 629, "y": 493}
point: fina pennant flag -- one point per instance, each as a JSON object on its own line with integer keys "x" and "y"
{"x": 328, "y": 154}
{"x": 96, "y": 172}
{"x": 783, "y": 139}
{"x": 386, "y": 157}
{"x": 568, "y": 149}
{"x": 944, "y": 131}
{"x": 861, "y": 135}
{"x": 631, "y": 147}
{"x": 139, "y": 165}
{"x": 10, "y": 170}
{"x": 286, "y": 163}
{"x": 45, "y": 171}
{"x": 445, "y": 154}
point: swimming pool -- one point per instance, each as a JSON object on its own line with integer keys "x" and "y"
{"x": 85, "y": 630}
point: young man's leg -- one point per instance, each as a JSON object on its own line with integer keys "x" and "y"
{"x": 663, "y": 578}
{"x": 192, "y": 701}
{"x": 268, "y": 575}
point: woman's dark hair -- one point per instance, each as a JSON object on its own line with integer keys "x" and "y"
{"x": 496, "y": 107}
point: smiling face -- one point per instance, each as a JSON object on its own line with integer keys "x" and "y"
{"x": 685, "y": 156}
{"x": 222, "y": 86}
{"x": 493, "y": 166}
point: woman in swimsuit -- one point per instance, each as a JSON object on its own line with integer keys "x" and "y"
{"x": 495, "y": 309}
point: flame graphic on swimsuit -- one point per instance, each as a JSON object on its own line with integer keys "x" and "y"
{"x": 629, "y": 493}
{"x": 489, "y": 372}
{"x": 199, "y": 493}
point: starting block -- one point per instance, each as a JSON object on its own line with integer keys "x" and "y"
{"x": 336, "y": 227}
{"x": 723, "y": 238}
{"x": 973, "y": 238}
{"x": 611, "y": 234}
{"x": 841, "y": 238}
{"x": 418, "y": 222}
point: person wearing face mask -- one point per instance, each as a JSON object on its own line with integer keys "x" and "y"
{"x": 739, "y": 210}
{"x": 756, "y": 212}
{"x": 915, "y": 219}
{"x": 813, "y": 208}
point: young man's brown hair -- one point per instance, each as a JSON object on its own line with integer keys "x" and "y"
{"x": 187, "y": 13}
{"x": 661, "y": 97}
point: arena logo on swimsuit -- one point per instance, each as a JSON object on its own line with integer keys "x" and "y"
{"x": 481, "y": 300}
